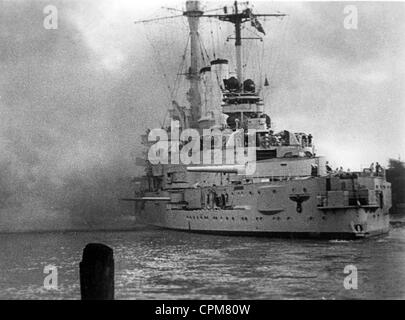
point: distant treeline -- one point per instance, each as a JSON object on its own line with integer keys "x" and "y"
{"x": 396, "y": 176}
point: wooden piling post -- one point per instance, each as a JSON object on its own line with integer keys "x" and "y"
{"x": 97, "y": 272}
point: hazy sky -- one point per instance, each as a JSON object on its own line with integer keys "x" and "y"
{"x": 74, "y": 100}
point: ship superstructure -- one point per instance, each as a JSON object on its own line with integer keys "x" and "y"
{"x": 291, "y": 191}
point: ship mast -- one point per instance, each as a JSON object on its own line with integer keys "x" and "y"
{"x": 238, "y": 45}
{"x": 238, "y": 18}
{"x": 193, "y": 14}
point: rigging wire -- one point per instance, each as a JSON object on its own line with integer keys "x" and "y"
{"x": 212, "y": 39}
{"x": 219, "y": 34}
{"x": 171, "y": 89}
{"x": 203, "y": 50}
{"x": 180, "y": 73}
{"x": 158, "y": 60}
{"x": 218, "y": 50}
{"x": 276, "y": 56}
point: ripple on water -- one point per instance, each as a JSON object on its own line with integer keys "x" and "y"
{"x": 159, "y": 264}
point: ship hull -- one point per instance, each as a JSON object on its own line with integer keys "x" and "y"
{"x": 299, "y": 208}
{"x": 288, "y": 235}
{"x": 339, "y": 224}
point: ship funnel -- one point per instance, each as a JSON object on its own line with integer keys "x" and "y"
{"x": 207, "y": 120}
{"x": 213, "y": 77}
{"x": 220, "y": 71}
{"x": 206, "y": 88}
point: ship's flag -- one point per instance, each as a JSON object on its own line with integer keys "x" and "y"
{"x": 293, "y": 139}
{"x": 255, "y": 22}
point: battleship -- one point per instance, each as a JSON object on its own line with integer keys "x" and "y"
{"x": 290, "y": 192}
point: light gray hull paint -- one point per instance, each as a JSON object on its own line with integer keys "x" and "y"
{"x": 284, "y": 220}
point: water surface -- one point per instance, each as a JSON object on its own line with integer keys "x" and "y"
{"x": 163, "y": 264}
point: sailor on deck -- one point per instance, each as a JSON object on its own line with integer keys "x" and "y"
{"x": 328, "y": 167}
{"x": 304, "y": 140}
{"x": 378, "y": 169}
{"x": 310, "y": 140}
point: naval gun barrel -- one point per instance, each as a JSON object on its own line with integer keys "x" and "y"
{"x": 147, "y": 199}
{"x": 222, "y": 169}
